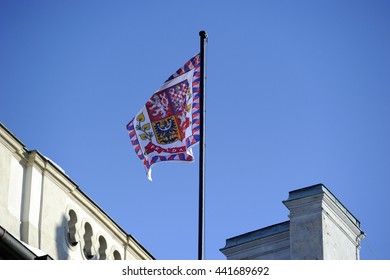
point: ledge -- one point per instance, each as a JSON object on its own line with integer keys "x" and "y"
{"x": 257, "y": 234}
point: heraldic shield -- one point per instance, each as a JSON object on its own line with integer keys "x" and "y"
{"x": 167, "y": 112}
{"x": 168, "y": 125}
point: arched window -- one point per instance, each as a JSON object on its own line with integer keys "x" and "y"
{"x": 102, "y": 248}
{"x": 87, "y": 249}
{"x": 72, "y": 228}
{"x": 117, "y": 255}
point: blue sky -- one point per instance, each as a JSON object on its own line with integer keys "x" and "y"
{"x": 298, "y": 93}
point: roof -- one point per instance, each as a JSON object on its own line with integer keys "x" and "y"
{"x": 12, "y": 248}
{"x": 257, "y": 234}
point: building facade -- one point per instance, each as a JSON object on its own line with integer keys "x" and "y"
{"x": 320, "y": 228}
{"x": 45, "y": 215}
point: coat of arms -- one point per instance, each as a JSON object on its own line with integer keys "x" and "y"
{"x": 167, "y": 126}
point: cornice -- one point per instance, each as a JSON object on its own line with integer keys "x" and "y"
{"x": 52, "y": 171}
{"x": 12, "y": 143}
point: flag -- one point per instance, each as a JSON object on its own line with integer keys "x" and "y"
{"x": 168, "y": 125}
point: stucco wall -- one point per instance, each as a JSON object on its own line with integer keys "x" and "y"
{"x": 36, "y": 199}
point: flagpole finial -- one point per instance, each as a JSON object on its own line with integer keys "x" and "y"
{"x": 203, "y": 34}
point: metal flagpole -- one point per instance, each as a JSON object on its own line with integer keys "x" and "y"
{"x": 203, "y": 41}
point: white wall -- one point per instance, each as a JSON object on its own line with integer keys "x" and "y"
{"x": 35, "y": 199}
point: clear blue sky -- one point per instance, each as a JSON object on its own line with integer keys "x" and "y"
{"x": 298, "y": 93}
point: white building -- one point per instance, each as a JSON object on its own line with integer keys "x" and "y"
{"x": 320, "y": 228}
{"x": 44, "y": 214}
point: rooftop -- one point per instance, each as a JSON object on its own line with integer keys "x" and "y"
{"x": 257, "y": 234}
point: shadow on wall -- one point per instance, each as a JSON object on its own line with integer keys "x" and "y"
{"x": 72, "y": 236}
{"x": 64, "y": 239}
{"x": 76, "y": 240}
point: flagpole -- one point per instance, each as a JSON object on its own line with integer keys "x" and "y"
{"x": 203, "y": 41}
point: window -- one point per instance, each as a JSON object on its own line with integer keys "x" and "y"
{"x": 117, "y": 255}
{"x": 102, "y": 248}
{"x": 72, "y": 228}
{"x": 87, "y": 249}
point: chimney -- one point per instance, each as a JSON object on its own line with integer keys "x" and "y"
{"x": 321, "y": 228}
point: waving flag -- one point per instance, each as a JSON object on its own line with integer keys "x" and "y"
{"x": 168, "y": 124}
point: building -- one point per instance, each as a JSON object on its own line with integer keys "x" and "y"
{"x": 320, "y": 228}
{"x": 45, "y": 215}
